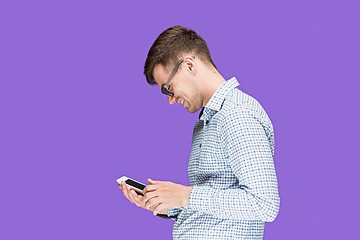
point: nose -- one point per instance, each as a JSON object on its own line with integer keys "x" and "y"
{"x": 172, "y": 99}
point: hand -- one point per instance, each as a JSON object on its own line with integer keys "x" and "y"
{"x": 161, "y": 196}
{"x": 130, "y": 194}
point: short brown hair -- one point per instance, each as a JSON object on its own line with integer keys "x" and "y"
{"x": 169, "y": 47}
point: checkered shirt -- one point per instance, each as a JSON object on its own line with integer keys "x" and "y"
{"x": 231, "y": 170}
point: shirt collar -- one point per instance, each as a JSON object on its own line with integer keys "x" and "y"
{"x": 217, "y": 99}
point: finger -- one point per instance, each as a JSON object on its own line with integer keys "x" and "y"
{"x": 152, "y": 182}
{"x": 159, "y": 209}
{"x": 149, "y": 196}
{"x": 132, "y": 193}
{"x": 154, "y": 207}
{"x": 149, "y": 188}
{"x": 125, "y": 190}
{"x": 132, "y": 198}
{"x": 151, "y": 204}
{"x": 137, "y": 199}
{"x": 139, "y": 192}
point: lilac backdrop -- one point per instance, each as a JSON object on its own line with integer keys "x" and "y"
{"x": 76, "y": 112}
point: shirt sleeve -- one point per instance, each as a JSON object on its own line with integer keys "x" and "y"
{"x": 173, "y": 213}
{"x": 250, "y": 155}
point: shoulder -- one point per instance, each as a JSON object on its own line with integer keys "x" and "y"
{"x": 238, "y": 103}
{"x": 240, "y": 108}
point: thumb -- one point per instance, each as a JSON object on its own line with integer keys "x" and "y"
{"x": 151, "y": 181}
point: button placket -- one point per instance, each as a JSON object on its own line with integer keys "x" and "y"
{"x": 207, "y": 117}
{"x": 202, "y": 136}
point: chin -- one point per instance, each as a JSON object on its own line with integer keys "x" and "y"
{"x": 192, "y": 110}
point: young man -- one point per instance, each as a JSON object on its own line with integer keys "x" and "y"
{"x": 231, "y": 170}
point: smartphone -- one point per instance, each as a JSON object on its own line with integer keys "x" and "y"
{"x": 137, "y": 186}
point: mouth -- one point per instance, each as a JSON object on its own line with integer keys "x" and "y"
{"x": 182, "y": 102}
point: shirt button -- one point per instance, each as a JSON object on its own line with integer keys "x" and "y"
{"x": 207, "y": 122}
{"x": 200, "y": 145}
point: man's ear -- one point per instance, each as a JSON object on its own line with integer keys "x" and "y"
{"x": 189, "y": 63}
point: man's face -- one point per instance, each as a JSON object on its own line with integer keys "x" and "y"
{"x": 183, "y": 85}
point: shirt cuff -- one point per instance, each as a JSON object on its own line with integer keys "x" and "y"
{"x": 174, "y": 212}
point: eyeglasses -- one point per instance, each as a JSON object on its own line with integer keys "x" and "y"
{"x": 164, "y": 88}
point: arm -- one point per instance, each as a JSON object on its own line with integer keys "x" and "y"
{"x": 250, "y": 156}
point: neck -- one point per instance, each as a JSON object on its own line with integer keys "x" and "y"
{"x": 212, "y": 81}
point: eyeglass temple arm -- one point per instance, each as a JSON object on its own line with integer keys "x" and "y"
{"x": 174, "y": 71}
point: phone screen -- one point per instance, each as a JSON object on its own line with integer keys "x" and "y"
{"x": 135, "y": 184}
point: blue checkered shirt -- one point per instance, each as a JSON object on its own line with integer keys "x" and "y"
{"x": 231, "y": 170}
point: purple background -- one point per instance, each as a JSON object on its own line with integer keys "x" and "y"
{"x": 76, "y": 112}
